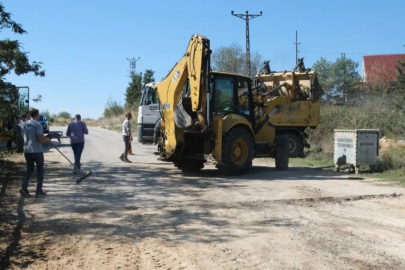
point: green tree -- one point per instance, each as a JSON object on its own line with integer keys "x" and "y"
{"x": 233, "y": 59}
{"x": 324, "y": 69}
{"x": 339, "y": 79}
{"x": 134, "y": 90}
{"x": 148, "y": 76}
{"x": 65, "y": 115}
{"x": 12, "y": 59}
{"x": 112, "y": 108}
{"x": 347, "y": 76}
{"x": 133, "y": 93}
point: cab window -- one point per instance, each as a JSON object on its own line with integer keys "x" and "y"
{"x": 242, "y": 85}
{"x": 150, "y": 97}
{"x": 224, "y": 96}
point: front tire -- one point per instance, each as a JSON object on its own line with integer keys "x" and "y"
{"x": 237, "y": 152}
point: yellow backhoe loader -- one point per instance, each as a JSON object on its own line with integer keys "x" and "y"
{"x": 222, "y": 115}
{"x": 293, "y": 118}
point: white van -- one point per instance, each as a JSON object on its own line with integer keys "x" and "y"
{"x": 148, "y": 114}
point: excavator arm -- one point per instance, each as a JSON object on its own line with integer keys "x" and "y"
{"x": 194, "y": 67}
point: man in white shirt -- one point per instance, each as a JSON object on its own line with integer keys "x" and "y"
{"x": 33, "y": 139}
{"x": 126, "y": 136}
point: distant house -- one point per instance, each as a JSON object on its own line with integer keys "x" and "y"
{"x": 382, "y": 68}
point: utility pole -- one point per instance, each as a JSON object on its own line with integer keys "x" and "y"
{"x": 296, "y": 47}
{"x": 132, "y": 65}
{"x": 247, "y": 17}
{"x": 345, "y": 88}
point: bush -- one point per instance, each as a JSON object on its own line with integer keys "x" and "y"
{"x": 113, "y": 108}
{"x": 46, "y": 113}
{"x": 64, "y": 115}
{"x": 374, "y": 111}
{"x": 51, "y": 118}
{"x": 392, "y": 159}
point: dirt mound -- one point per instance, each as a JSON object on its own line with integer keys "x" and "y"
{"x": 385, "y": 144}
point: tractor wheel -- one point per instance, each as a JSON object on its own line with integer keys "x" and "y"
{"x": 295, "y": 145}
{"x": 237, "y": 152}
{"x": 282, "y": 153}
{"x": 190, "y": 165}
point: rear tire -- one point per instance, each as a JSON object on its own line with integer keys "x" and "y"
{"x": 237, "y": 152}
{"x": 190, "y": 165}
{"x": 282, "y": 153}
{"x": 295, "y": 145}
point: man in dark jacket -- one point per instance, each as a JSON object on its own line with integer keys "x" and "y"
{"x": 75, "y": 132}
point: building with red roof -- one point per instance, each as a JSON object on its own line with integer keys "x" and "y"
{"x": 381, "y": 67}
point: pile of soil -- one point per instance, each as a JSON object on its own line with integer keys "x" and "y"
{"x": 385, "y": 144}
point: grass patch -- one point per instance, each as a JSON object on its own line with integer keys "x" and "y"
{"x": 395, "y": 176}
{"x": 312, "y": 163}
{"x": 391, "y": 166}
{"x": 314, "y": 157}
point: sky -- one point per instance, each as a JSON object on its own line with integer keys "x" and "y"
{"x": 84, "y": 45}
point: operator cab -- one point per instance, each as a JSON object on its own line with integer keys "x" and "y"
{"x": 231, "y": 95}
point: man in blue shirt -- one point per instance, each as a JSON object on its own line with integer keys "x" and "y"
{"x": 75, "y": 132}
{"x": 33, "y": 152}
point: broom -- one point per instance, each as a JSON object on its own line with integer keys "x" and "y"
{"x": 83, "y": 174}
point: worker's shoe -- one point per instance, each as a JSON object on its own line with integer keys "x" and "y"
{"x": 127, "y": 160}
{"x": 25, "y": 193}
{"x": 40, "y": 193}
{"x": 122, "y": 157}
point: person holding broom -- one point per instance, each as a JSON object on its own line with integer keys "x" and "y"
{"x": 34, "y": 154}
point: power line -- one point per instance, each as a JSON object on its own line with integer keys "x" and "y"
{"x": 335, "y": 52}
{"x": 347, "y": 52}
{"x": 247, "y": 17}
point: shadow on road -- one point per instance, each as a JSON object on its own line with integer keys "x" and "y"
{"x": 142, "y": 201}
{"x": 11, "y": 248}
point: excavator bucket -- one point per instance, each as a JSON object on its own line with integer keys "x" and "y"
{"x": 295, "y": 85}
{"x": 298, "y": 84}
